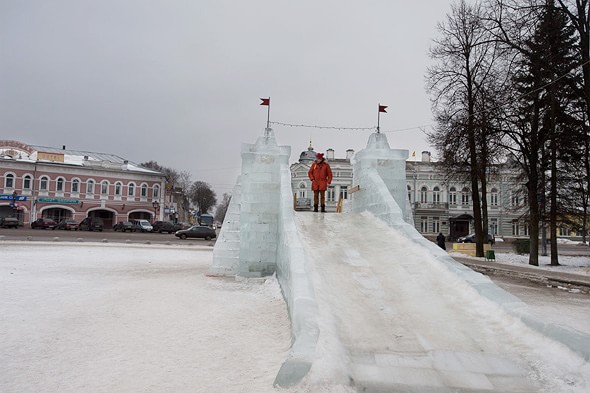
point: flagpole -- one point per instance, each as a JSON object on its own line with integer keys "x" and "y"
{"x": 378, "y": 116}
{"x": 268, "y": 114}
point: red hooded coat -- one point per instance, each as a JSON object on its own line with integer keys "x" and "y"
{"x": 320, "y": 175}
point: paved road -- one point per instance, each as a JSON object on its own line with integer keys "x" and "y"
{"x": 109, "y": 235}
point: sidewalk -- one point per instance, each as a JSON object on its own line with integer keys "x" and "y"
{"x": 528, "y": 272}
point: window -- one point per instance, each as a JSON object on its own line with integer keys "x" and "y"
{"x": 59, "y": 184}
{"x": 514, "y": 199}
{"x": 118, "y": 186}
{"x": 423, "y": 224}
{"x": 131, "y": 189}
{"x": 75, "y": 186}
{"x": 453, "y": 196}
{"x": 330, "y": 194}
{"x": 27, "y": 181}
{"x": 494, "y": 226}
{"x": 465, "y": 196}
{"x": 494, "y": 197}
{"x": 43, "y": 183}
{"x": 344, "y": 192}
{"x": 435, "y": 225}
{"x": 144, "y": 189}
{"x": 423, "y": 195}
{"x": 410, "y": 194}
{"x": 515, "y": 228}
{"x": 104, "y": 188}
{"x": 156, "y": 191}
{"x": 302, "y": 188}
{"x": 436, "y": 197}
{"x": 90, "y": 187}
{"x": 9, "y": 180}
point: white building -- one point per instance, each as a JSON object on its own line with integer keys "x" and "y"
{"x": 438, "y": 204}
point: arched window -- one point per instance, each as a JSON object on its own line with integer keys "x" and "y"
{"x": 436, "y": 196}
{"x": 43, "y": 183}
{"x": 90, "y": 187}
{"x": 144, "y": 190}
{"x": 156, "y": 191}
{"x": 27, "y": 182}
{"x": 131, "y": 189}
{"x": 423, "y": 194}
{"x": 75, "y": 186}
{"x": 452, "y": 196}
{"x": 59, "y": 184}
{"x": 465, "y": 196}
{"x": 118, "y": 186}
{"x": 9, "y": 180}
{"x": 104, "y": 188}
{"x": 494, "y": 197}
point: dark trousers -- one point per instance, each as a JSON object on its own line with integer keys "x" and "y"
{"x": 319, "y": 197}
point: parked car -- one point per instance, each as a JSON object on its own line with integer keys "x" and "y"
{"x": 43, "y": 223}
{"x": 91, "y": 224}
{"x": 67, "y": 224}
{"x": 471, "y": 239}
{"x": 124, "y": 226}
{"x": 197, "y": 231}
{"x": 142, "y": 226}
{"x": 8, "y": 222}
{"x": 163, "y": 226}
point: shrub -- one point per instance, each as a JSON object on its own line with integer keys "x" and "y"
{"x": 522, "y": 246}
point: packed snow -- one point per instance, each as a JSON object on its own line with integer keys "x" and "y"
{"x": 146, "y": 318}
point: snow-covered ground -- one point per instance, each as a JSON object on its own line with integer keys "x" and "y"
{"x": 145, "y": 318}
{"x": 567, "y": 264}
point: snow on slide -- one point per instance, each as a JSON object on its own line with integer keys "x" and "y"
{"x": 393, "y": 318}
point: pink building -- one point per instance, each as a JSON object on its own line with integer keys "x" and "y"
{"x": 38, "y": 181}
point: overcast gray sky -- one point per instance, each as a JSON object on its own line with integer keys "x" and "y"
{"x": 179, "y": 81}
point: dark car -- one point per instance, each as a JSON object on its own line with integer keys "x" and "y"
{"x": 91, "y": 224}
{"x": 43, "y": 223}
{"x": 471, "y": 239}
{"x": 124, "y": 226}
{"x": 163, "y": 226}
{"x": 198, "y": 232}
{"x": 8, "y": 222}
{"x": 68, "y": 225}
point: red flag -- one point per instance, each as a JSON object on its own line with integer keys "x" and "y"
{"x": 382, "y": 108}
{"x": 265, "y": 101}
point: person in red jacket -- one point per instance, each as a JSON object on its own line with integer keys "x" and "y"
{"x": 320, "y": 175}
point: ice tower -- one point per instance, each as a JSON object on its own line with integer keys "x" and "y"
{"x": 247, "y": 245}
{"x": 380, "y": 172}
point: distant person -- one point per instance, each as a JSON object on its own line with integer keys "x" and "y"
{"x": 320, "y": 175}
{"x": 440, "y": 240}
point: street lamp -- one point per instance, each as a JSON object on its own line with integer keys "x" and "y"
{"x": 156, "y": 206}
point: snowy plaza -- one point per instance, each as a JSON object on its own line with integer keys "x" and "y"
{"x": 285, "y": 301}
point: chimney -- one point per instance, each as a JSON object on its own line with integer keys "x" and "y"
{"x": 330, "y": 154}
{"x": 349, "y": 154}
{"x": 85, "y": 158}
{"x": 125, "y": 162}
{"x": 63, "y": 147}
{"x": 425, "y": 156}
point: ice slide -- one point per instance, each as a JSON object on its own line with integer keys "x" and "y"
{"x": 392, "y": 317}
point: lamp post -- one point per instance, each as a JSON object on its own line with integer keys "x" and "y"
{"x": 156, "y": 206}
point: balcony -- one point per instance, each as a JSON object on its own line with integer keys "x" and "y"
{"x": 431, "y": 206}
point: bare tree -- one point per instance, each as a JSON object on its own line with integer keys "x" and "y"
{"x": 459, "y": 85}
{"x": 222, "y": 207}
{"x": 202, "y": 196}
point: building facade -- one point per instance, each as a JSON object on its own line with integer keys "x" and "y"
{"x": 44, "y": 182}
{"x": 438, "y": 204}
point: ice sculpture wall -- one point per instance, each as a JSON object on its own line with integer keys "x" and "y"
{"x": 258, "y": 212}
